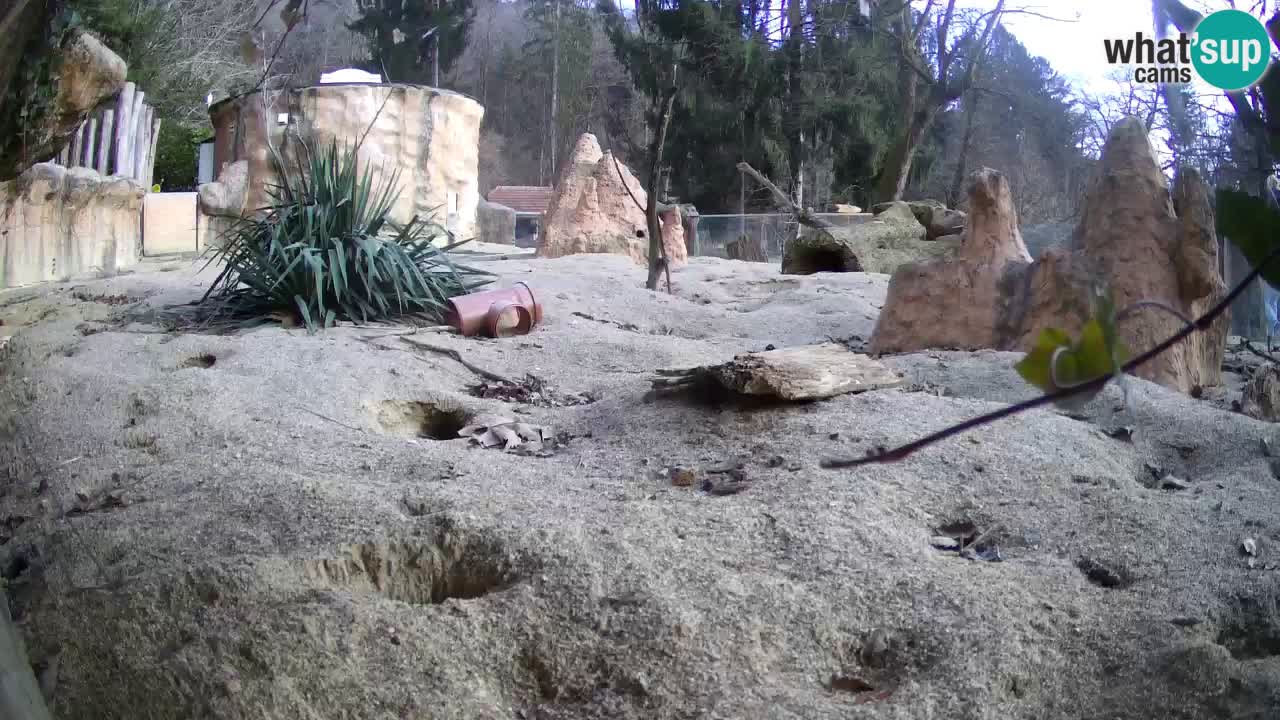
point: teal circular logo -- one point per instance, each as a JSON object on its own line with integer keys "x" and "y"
{"x": 1231, "y": 49}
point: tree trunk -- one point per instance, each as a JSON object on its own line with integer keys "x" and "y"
{"x": 897, "y": 169}
{"x": 435, "y": 52}
{"x": 484, "y": 66}
{"x": 657, "y": 255}
{"x": 795, "y": 100}
{"x": 957, "y": 180}
{"x": 554, "y": 130}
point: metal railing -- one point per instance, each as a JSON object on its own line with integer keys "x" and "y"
{"x": 772, "y": 230}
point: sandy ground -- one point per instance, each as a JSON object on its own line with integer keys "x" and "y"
{"x": 257, "y": 525}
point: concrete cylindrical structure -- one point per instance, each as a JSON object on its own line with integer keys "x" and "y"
{"x": 430, "y": 136}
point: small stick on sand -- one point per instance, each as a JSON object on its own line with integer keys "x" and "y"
{"x": 414, "y": 331}
{"x": 335, "y": 422}
{"x": 457, "y": 357}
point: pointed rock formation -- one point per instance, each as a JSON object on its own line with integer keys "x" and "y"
{"x": 597, "y": 207}
{"x": 1133, "y": 237}
{"x": 958, "y": 302}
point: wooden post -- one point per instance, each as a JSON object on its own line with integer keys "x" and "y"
{"x": 91, "y": 141}
{"x": 135, "y": 122}
{"x": 151, "y": 153}
{"x": 77, "y": 145}
{"x": 141, "y": 142}
{"x": 104, "y": 142}
{"x": 120, "y": 143}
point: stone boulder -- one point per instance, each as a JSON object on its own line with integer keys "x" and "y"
{"x": 902, "y": 212}
{"x": 924, "y": 209}
{"x": 496, "y": 223}
{"x": 597, "y": 207}
{"x": 943, "y": 223}
{"x": 881, "y": 245}
{"x": 223, "y": 203}
{"x": 88, "y": 73}
{"x": 226, "y": 196}
{"x": 1130, "y": 237}
{"x": 938, "y": 220}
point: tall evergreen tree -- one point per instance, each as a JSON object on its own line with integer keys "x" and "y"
{"x": 414, "y": 41}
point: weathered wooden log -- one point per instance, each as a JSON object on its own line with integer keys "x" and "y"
{"x": 105, "y": 138}
{"x": 120, "y": 143}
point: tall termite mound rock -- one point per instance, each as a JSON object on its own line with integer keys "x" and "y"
{"x": 1134, "y": 236}
{"x": 596, "y": 208}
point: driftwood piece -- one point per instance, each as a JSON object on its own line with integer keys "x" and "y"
{"x": 808, "y": 372}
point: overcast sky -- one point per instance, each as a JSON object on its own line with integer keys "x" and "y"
{"x": 1074, "y": 48}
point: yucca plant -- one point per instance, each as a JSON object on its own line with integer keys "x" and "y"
{"x": 325, "y": 250}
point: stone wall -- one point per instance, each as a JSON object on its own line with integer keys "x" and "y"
{"x": 170, "y": 223}
{"x": 56, "y": 224}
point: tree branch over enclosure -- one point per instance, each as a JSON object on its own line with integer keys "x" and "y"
{"x": 803, "y": 216}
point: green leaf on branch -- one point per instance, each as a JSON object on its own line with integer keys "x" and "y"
{"x": 1253, "y": 225}
{"x": 1056, "y": 362}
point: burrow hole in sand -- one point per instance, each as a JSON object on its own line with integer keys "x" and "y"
{"x": 436, "y": 418}
{"x": 452, "y": 565}
{"x": 823, "y": 259}
{"x": 1251, "y": 630}
{"x": 204, "y": 361}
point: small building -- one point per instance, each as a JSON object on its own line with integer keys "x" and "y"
{"x": 530, "y": 203}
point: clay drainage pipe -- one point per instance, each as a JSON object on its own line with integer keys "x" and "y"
{"x": 496, "y": 313}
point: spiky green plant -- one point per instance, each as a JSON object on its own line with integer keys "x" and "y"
{"x": 324, "y": 250}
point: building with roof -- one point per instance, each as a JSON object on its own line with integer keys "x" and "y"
{"x": 530, "y": 203}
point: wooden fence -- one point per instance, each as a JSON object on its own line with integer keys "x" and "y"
{"x": 117, "y": 140}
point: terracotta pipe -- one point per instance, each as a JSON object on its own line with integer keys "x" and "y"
{"x": 474, "y": 313}
{"x": 506, "y": 318}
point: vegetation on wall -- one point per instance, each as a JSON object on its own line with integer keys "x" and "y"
{"x": 31, "y": 79}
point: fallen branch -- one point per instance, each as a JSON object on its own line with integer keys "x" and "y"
{"x": 457, "y": 357}
{"x": 326, "y": 417}
{"x": 880, "y": 455}
{"x": 414, "y": 331}
{"x": 803, "y": 216}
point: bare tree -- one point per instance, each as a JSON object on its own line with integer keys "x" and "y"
{"x": 926, "y": 88}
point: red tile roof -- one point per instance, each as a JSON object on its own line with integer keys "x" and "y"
{"x": 522, "y": 198}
